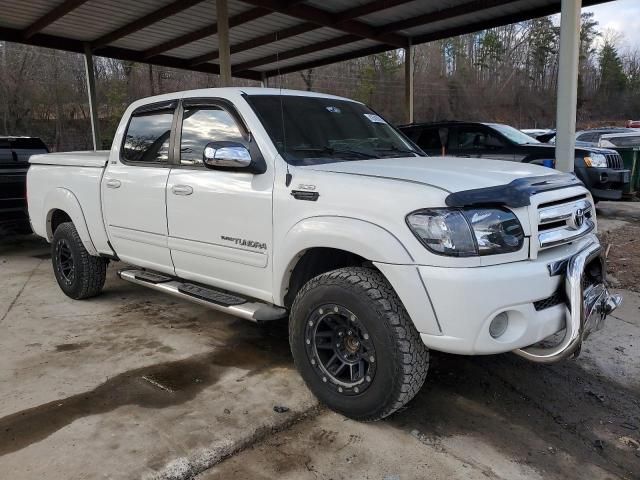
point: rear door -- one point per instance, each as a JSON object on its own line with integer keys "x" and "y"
{"x": 134, "y": 189}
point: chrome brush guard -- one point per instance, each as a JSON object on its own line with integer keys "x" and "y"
{"x": 589, "y": 302}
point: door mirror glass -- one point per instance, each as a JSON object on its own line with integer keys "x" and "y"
{"x": 226, "y": 155}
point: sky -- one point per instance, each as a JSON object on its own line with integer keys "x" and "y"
{"x": 623, "y": 16}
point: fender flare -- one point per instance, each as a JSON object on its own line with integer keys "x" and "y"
{"x": 64, "y": 200}
{"x": 360, "y": 237}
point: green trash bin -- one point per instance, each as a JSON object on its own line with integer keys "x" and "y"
{"x": 631, "y": 160}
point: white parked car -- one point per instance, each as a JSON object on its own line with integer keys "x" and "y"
{"x": 269, "y": 204}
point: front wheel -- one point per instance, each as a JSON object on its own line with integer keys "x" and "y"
{"x": 79, "y": 274}
{"x": 355, "y": 345}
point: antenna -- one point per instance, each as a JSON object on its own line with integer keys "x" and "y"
{"x": 288, "y": 177}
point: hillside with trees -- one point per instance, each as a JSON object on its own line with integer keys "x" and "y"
{"x": 506, "y": 74}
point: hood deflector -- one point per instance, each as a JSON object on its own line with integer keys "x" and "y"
{"x": 514, "y": 194}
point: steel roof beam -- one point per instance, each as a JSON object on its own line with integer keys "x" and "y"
{"x": 77, "y": 46}
{"x": 429, "y": 37}
{"x": 332, "y": 20}
{"x": 444, "y": 14}
{"x": 204, "y": 32}
{"x": 301, "y": 28}
{"x": 51, "y": 16}
{"x": 132, "y": 27}
{"x": 297, "y": 52}
{"x": 257, "y": 42}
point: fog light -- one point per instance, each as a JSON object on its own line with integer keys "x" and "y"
{"x": 499, "y": 325}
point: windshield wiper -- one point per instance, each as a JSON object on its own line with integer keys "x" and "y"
{"x": 395, "y": 149}
{"x": 334, "y": 151}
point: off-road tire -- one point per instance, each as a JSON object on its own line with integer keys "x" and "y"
{"x": 89, "y": 271}
{"x": 402, "y": 359}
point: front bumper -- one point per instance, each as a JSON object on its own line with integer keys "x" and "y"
{"x": 604, "y": 183}
{"x": 466, "y": 300}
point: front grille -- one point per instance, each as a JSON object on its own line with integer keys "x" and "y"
{"x": 614, "y": 160}
{"x": 561, "y": 223}
{"x": 557, "y": 298}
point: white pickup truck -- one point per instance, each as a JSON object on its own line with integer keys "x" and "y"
{"x": 270, "y": 204}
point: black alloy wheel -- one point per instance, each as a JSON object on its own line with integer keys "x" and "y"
{"x": 340, "y": 348}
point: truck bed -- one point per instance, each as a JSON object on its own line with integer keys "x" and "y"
{"x": 73, "y": 159}
{"x": 53, "y": 185}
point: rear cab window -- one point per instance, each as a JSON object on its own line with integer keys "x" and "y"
{"x": 148, "y": 136}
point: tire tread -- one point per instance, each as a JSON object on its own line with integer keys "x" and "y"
{"x": 410, "y": 352}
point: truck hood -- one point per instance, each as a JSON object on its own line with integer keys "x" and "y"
{"x": 452, "y": 174}
{"x": 581, "y": 147}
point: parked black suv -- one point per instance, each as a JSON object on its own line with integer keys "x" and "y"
{"x": 600, "y": 169}
{"x": 14, "y": 163}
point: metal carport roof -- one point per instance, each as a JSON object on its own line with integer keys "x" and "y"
{"x": 266, "y": 37}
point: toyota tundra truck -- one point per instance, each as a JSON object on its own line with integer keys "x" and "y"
{"x": 278, "y": 204}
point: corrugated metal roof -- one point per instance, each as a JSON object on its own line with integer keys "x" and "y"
{"x": 181, "y": 33}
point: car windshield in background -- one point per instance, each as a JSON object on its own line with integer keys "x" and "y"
{"x": 513, "y": 134}
{"x": 621, "y": 141}
{"x": 313, "y": 130}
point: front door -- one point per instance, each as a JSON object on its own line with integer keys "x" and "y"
{"x": 220, "y": 221}
{"x": 134, "y": 189}
{"x": 478, "y": 141}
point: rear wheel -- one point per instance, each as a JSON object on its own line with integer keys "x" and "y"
{"x": 355, "y": 345}
{"x": 79, "y": 274}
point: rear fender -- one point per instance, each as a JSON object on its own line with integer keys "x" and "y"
{"x": 65, "y": 200}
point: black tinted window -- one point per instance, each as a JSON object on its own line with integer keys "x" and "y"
{"x": 430, "y": 139}
{"x": 201, "y": 125}
{"x": 587, "y": 137}
{"x": 147, "y": 137}
{"x": 471, "y": 137}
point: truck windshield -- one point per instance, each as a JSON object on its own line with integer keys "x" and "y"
{"x": 313, "y": 130}
{"x": 514, "y": 135}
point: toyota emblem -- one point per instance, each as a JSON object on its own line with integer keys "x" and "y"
{"x": 578, "y": 218}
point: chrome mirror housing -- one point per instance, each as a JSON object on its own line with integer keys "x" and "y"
{"x": 226, "y": 155}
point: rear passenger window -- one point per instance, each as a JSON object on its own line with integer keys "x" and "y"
{"x": 147, "y": 137}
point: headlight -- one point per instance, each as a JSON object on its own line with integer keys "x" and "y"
{"x": 467, "y": 232}
{"x": 595, "y": 160}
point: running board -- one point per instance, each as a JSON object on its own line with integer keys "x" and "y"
{"x": 216, "y": 299}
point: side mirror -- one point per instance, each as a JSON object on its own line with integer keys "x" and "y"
{"x": 226, "y": 155}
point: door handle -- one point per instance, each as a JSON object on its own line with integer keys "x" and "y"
{"x": 113, "y": 183}
{"x": 182, "y": 190}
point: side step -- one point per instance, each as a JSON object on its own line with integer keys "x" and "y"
{"x": 230, "y": 303}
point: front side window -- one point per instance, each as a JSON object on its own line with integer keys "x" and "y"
{"x": 314, "y": 130}
{"x": 202, "y": 125}
{"x": 147, "y": 137}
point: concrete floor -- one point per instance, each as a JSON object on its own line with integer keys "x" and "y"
{"x": 134, "y": 384}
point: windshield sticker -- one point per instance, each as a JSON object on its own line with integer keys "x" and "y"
{"x": 333, "y": 109}
{"x": 374, "y": 118}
